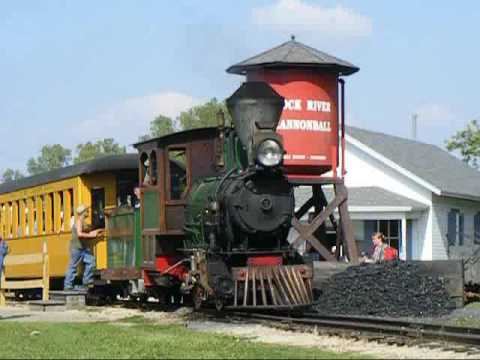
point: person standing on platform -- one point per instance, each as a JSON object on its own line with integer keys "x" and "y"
{"x": 79, "y": 251}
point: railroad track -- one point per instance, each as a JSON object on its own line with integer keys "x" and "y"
{"x": 386, "y": 331}
{"x": 389, "y": 331}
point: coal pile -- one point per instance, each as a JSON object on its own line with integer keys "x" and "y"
{"x": 392, "y": 289}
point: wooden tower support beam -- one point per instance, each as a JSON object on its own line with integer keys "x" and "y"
{"x": 323, "y": 211}
{"x": 347, "y": 233}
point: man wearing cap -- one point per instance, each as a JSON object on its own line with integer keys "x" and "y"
{"x": 79, "y": 252}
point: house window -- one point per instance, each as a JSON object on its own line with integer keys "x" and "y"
{"x": 455, "y": 233}
{"x": 390, "y": 228}
{"x": 476, "y": 222}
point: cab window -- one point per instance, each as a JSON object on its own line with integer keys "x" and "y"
{"x": 145, "y": 169}
{"x": 177, "y": 159}
{"x": 153, "y": 168}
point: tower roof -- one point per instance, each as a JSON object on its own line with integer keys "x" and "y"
{"x": 294, "y": 54}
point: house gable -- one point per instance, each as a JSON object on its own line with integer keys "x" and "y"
{"x": 429, "y": 165}
{"x": 387, "y": 162}
{"x": 364, "y": 169}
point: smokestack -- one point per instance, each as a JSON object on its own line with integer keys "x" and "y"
{"x": 414, "y": 126}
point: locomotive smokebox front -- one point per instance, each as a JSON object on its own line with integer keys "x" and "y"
{"x": 308, "y": 80}
{"x": 260, "y": 201}
{"x": 255, "y": 109}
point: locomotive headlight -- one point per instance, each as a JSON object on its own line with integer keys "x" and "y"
{"x": 269, "y": 153}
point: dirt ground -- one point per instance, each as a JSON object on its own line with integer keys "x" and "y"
{"x": 253, "y": 332}
{"x": 256, "y": 332}
{"x": 90, "y": 314}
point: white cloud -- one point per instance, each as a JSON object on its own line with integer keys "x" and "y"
{"x": 431, "y": 114}
{"x": 130, "y": 118}
{"x": 298, "y": 15}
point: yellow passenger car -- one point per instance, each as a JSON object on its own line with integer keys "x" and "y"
{"x": 42, "y": 208}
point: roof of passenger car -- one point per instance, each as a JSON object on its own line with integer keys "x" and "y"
{"x": 98, "y": 165}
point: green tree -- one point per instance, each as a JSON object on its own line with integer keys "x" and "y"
{"x": 11, "y": 175}
{"x": 51, "y": 157}
{"x": 91, "y": 150}
{"x": 203, "y": 115}
{"x": 467, "y": 142}
{"x": 160, "y": 126}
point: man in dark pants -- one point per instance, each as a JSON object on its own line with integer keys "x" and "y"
{"x": 79, "y": 252}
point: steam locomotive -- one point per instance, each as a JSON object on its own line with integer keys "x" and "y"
{"x": 211, "y": 225}
{"x": 217, "y": 208}
{"x": 217, "y": 205}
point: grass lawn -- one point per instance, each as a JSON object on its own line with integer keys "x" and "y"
{"x": 473, "y": 305}
{"x": 136, "y": 340}
{"x": 468, "y": 321}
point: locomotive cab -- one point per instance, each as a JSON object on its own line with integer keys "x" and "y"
{"x": 168, "y": 168}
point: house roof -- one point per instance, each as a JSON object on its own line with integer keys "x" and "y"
{"x": 372, "y": 197}
{"x": 433, "y": 167}
{"x": 294, "y": 53}
{"x": 102, "y": 164}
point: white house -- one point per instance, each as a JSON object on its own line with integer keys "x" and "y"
{"x": 426, "y": 201}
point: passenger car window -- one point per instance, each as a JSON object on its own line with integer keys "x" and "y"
{"x": 98, "y": 208}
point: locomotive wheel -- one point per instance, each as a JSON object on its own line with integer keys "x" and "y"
{"x": 219, "y": 305}
{"x": 197, "y": 297}
{"x": 141, "y": 298}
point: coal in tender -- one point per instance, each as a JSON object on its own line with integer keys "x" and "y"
{"x": 391, "y": 289}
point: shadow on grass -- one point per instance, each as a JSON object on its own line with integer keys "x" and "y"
{"x": 10, "y": 317}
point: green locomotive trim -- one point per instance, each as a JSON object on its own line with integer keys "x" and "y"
{"x": 124, "y": 245}
{"x": 204, "y": 192}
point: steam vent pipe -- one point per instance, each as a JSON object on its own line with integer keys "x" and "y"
{"x": 308, "y": 79}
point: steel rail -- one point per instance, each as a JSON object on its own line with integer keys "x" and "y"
{"x": 400, "y": 323}
{"x": 456, "y": 334}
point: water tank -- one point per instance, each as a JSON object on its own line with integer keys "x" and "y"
{"x": 308, "y": 80}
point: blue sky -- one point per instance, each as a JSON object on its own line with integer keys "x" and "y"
{"x": 73, "y": 71}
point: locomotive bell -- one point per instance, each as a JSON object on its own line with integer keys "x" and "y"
{"x": 255, "y": 109}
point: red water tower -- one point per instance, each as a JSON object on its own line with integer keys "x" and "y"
{"x": 312, "y": 122}
{"x": 313, "y": 128}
